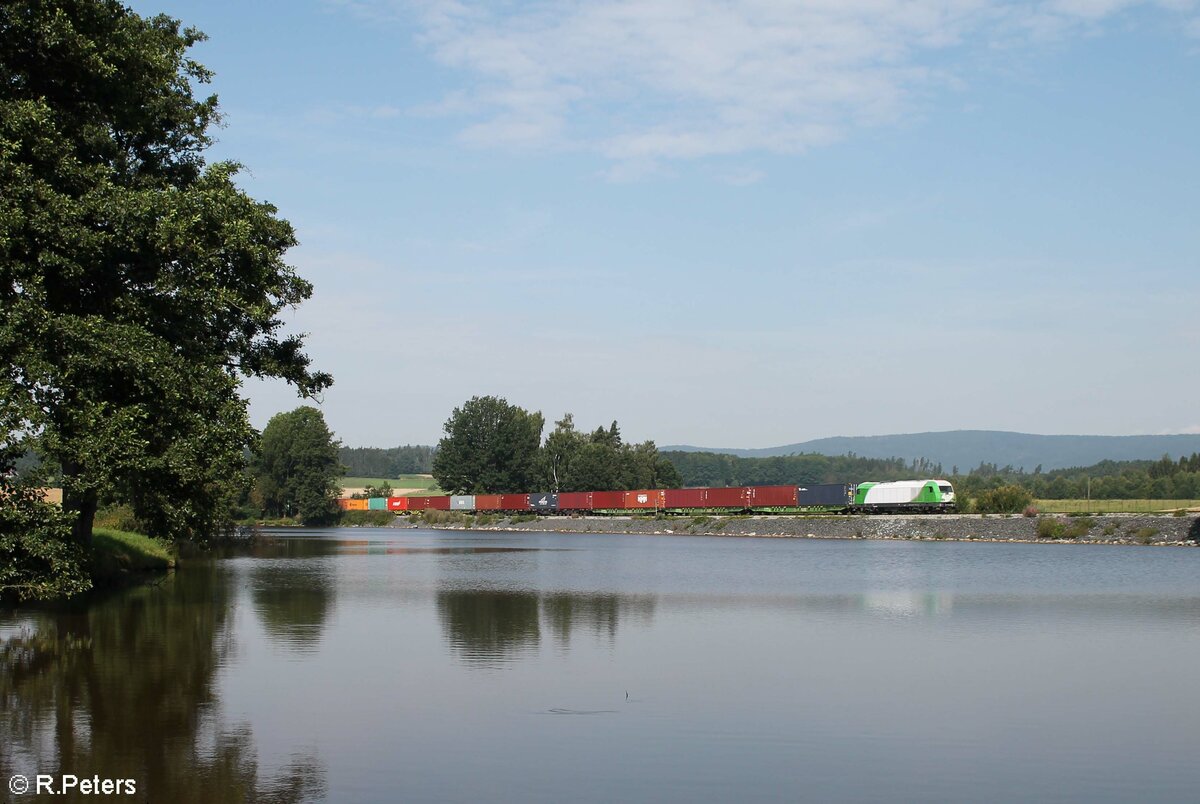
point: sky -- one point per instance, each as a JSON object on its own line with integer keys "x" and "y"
{"x": 729, "y": 224}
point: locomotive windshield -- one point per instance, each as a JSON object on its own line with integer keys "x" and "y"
{"x": 946, "y": 489}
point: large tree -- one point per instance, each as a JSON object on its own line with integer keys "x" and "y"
{"x": 137, "y": 283}
{"x": 490, "y": 446}
{"x": 297, "y": 467}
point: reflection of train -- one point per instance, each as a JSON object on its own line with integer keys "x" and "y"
{"x": 915, "y": 496}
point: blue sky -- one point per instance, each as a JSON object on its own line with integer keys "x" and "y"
{"x": 730, "y": 224}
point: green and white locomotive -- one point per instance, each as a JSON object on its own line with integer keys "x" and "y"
{"x": 904, "y": 496}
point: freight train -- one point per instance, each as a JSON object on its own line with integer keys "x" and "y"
{"x": 904, "y": 496}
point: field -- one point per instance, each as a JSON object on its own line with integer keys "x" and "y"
{"x": 405, "y": 484}
{"x": 1113, "y": 506}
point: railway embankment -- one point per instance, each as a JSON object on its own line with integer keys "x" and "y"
{"x": 1136, "y": 529}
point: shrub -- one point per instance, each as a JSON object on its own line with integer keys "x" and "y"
{"x": 1008, "y": 499}
{"x": 1061, "y": 528}
{"x": 118, "y": 517}
{"x": 1145, "y": 535}
{"x": 1030, "y": 511}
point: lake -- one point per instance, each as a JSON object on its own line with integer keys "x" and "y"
{"x": 382, "y": 665}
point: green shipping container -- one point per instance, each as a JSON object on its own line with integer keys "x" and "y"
{"x": 377, "y": 504}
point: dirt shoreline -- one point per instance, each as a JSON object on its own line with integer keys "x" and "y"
{"x": 1125, "y": 529}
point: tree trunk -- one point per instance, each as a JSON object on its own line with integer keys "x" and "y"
{"x": 81, "y": 505}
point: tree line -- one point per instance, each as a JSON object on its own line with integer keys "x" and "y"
{"x": 389, "y": 463}
{"x": 493, "y": 447}
{"x": 1164, "y": 479}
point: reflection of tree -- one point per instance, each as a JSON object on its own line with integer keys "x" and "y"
{"x": 292, "y": 603}
{"x": 123, "y": 688}
{"x": 599, "y": 614}
{"x": 487, "y": 627}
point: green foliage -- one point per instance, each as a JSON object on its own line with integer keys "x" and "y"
{"x": 382, "y": 490}
{"x": 138, "y": 283}
{"x": 297, "y": 468}
{"x": 1063, "y": 528}
{"x": 1164, "y": 479}
{"x": 1010, "y": 499}
{"x": 1051, "y": 528}
{"x": 1144, "y": 535}
{"x": 490, "y": 447}
{"x": 119, "y": 517}
{"x": 601, "y": 461}
{"x": 376, "y": 519}
{"x": 38, "y": 559}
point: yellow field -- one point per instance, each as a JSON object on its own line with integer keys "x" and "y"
{"x": 1114, "y": 506}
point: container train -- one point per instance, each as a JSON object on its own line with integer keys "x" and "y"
{"x": 904, "y": 496}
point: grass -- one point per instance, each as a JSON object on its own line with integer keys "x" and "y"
{"x": 117, "y": 553}
{"x": 425, "y": 483}
{"x": 1113, "y": 506}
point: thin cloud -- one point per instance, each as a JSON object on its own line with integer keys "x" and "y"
{"x": 639, "y": 81}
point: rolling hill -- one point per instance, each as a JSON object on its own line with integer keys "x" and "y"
{"x": 968, "y": 448}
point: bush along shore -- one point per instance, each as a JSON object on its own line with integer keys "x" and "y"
{"x": 1137, "y": 529}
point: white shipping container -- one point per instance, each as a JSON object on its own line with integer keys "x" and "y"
{"x": 462, "y": 502}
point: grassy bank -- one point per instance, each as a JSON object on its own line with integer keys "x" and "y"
{"x": 118, "y": 554}
{"x": 1113, "y": 506}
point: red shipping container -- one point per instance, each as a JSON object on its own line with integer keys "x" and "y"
{"x": 771, "y": 496}
{"x": 487, "y": 502}
{"x": 652, "y": 498}
{"x": 514, "y": 502}
{"x": 441, "y": 503}
{"x": 607, "y": 500}
{"x": 397, "y": 503}
{"x": 575, "y": 501}
{"x": 686, "y": 498}
{"x": 727, "y": 498}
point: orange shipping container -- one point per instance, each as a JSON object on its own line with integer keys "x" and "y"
{"x": 354, "y": 505}
{"x": 487, "y": 502}
{"x": 653, "y": 498}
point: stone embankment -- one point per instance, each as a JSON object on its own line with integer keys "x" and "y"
{"x": 1097, "y": 529}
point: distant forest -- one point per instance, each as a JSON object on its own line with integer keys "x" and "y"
{"x": 386, "y": 463}
{"x": 1164, "y": 479}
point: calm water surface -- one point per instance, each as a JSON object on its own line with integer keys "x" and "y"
{"x": 384, "y": 665}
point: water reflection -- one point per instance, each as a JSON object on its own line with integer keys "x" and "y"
{"x": 489, "y": 628}
{"x": 599, "y": 615}
{"x": 124, "y": 688}
{"x": 293, "y": 600}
